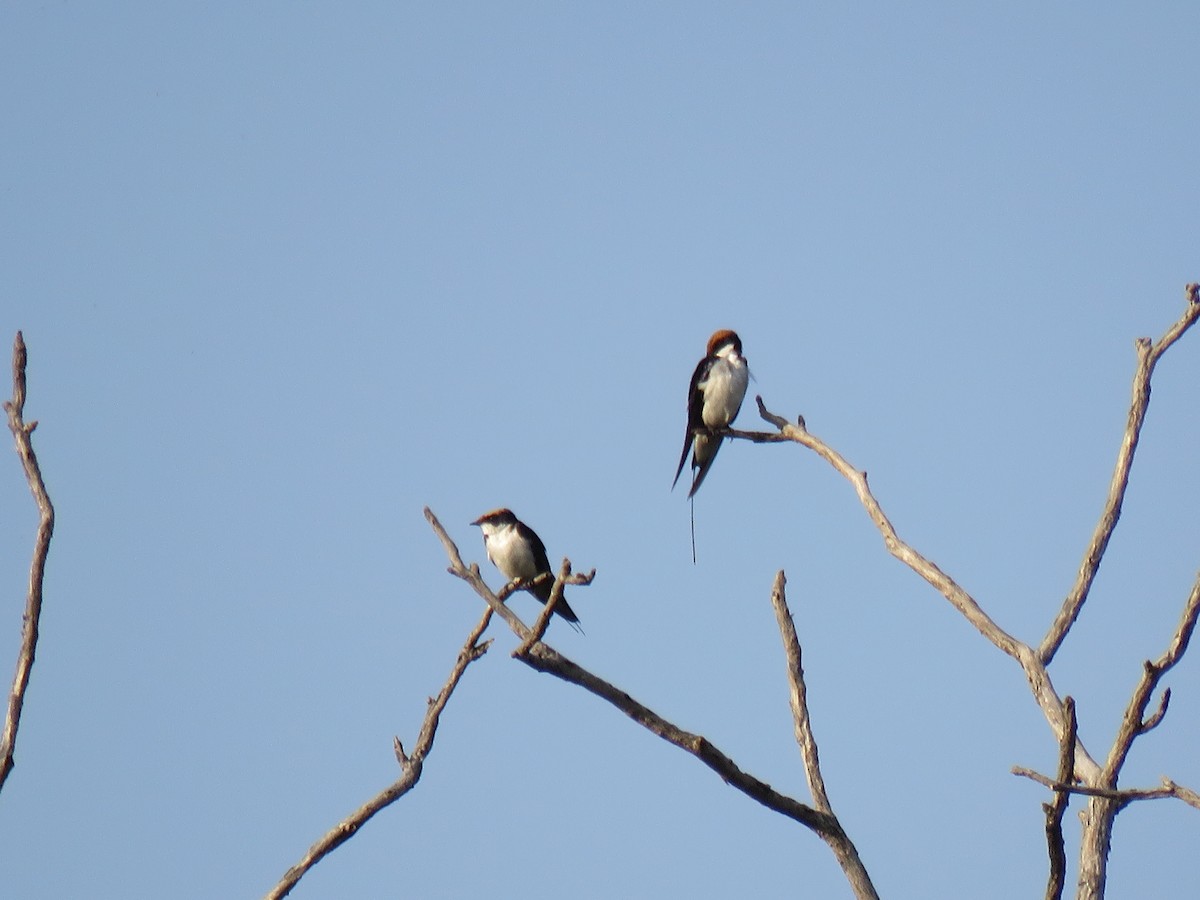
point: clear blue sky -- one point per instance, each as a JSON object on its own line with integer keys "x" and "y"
{"x": 290, "y": 272}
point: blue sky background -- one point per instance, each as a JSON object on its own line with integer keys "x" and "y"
{"x": 290, "y": 272}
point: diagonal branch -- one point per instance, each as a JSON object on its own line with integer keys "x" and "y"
{"x": 1148, "y": 357}
{"x": 1039, "y": 679}
{"x": 543, "y": 619}
{"x": 1135, "y": 722}
{"x": 544, "y": 658}
{"x": 943, "y": 583}
{"x": 410, "y": 765}
{"x": 22, "y": 432}
{"x": 843, "y": 848}
{"x": 805, "y": 738}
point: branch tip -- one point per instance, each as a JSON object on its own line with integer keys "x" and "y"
{"x": 1152, "y": 722}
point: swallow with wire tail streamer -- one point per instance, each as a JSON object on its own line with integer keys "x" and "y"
{"x": 714, "y": 399}
{"x": 519, "y": 553}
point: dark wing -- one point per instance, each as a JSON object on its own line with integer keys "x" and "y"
{"x": 695, "y": 412}
{"x": 535, "y": 544}
{"x": 541, "y": 561}
{"x": 543, "y": 588}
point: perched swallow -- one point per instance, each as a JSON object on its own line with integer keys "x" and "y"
{"x": 714, "y": 398}
{"x": 517, "y": 552}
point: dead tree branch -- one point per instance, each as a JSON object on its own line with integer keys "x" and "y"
{"x": 1101, "y": 811}
{"x": 843, "y": 848}
{"x": 1100, "y": 783}
{"x": 1055, "y": 810}
{"x": 1168, "y": 790}
{"x": 22, "y": 432}
{"x": 1039, "y": 679}
{"x": 1134, "y": 723}
{"x": 1148, "y": 357}
{"x": 411, "y": 765}
{"x": 544, "y": 658}
{"x": 543, "y": 620}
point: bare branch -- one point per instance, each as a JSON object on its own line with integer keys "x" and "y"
{"x": 944, "y": 584}
{"x": 1154, "y": 720}
{"x": 1039, "y": 679}
{"x": 1058, "y": 808}
{"x": 1148, "y": 357}
{"x": 1121, "y": 797}
{"x": 843, "y": 848}
{"x": 1187, "y": 795}
{"x": 1134, "y": 722}
{"x": 22, "y": 432}
{"x": 543, "y": 658}
{"x": 543, "y": 620}
{"x": 410, "y": 764}
{"x": 799, "y": 694}
{"x": 1102, "y": 807}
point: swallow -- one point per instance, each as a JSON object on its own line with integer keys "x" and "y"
{"x": 519, "y": 554}
{"x": 714, "y": 399}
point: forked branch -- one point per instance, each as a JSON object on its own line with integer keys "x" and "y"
{"x": 1039, "y": 679}
{"x": 1099, "y": 783}
{"x": 1135, "y": 723}
{"x": 544, "y": 658}
{"x": 22, "y": 432}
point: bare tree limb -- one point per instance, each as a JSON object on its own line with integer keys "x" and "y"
{"x": 410, "y": 764}
{"x": 1099, "y": 815}
{"x": 1168, "y": 790}
{"x": 1134, "y": 722}
{"x": 543, "y": 620}
{"x": 22, "y": 432}
{"x": 1187, "y": 795}
{"x": 1058, "y": 808}
{"x": 1102, "y": 808}
{"x": 944, "y": 584}
{"x": 801, "y": 722}
{"x": 1035, "y": 672}
{"x": 543, "y": 658}
{"x": 1148, "y": 357}
{"x": 843, "y": 848}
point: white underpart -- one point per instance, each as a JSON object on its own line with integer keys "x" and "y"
{"x": 724, "y": 388}
{"x": 508, "y": 553}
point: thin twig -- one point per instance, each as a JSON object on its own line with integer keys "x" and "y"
{"x": 543, "y": 620}
{"x": 410, "y": 765}
{"x": 22, "y": 432}
{"x": 1056, "y": 809}
{"x": 843, "y": 848}
{"x": 1148, "y": 357}
{"x": 543, "y": 658}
